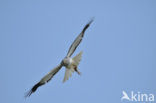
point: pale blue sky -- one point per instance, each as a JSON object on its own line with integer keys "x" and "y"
{"x": 119, "y": 49}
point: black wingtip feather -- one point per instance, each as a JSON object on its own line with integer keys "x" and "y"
{"x": 87, "y": 25}
{"x": 34, "y": 88}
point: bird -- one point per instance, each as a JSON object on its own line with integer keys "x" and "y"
{"x": 71, "y": 64}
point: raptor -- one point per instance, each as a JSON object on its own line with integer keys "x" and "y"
{"x": 71, "y": 64}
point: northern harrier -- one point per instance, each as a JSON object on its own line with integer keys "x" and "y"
{"x": 70, "y": 63}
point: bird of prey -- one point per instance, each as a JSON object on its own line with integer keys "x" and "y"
{"x": 71, "y": 64}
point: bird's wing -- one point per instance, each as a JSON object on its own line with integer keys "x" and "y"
{"x": 44, "y": 80}
{"x": 78, "y": 39}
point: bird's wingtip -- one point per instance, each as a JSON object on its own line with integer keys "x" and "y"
{"x": 91, "y": 20}
{"x": 27, "y": 94}
{"x": 33, "y": 89}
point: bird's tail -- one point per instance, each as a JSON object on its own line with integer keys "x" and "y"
{"x": 69, "y": 71}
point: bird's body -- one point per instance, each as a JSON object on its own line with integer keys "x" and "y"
{"x": 71, "y": 64}
{"x": 67, "y": 61}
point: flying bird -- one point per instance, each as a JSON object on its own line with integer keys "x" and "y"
{"x": 71, "y": 64}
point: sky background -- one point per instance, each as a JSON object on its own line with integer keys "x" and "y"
{"x": 119, "y": 49}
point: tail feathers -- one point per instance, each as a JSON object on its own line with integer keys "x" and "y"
{"x": 77, "y": 58}
{"x": 68, "y": 73}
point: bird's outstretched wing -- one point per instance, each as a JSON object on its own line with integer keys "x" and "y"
{"x": 44, "y": 80}
{"x": 78, "y": 39}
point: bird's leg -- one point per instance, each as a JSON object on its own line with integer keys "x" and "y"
{"x": 75, "y": 68}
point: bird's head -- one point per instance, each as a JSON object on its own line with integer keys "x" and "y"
{"x": 66, "y": 61}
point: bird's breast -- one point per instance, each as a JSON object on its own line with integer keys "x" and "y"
{"x": 67, "y": 62}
